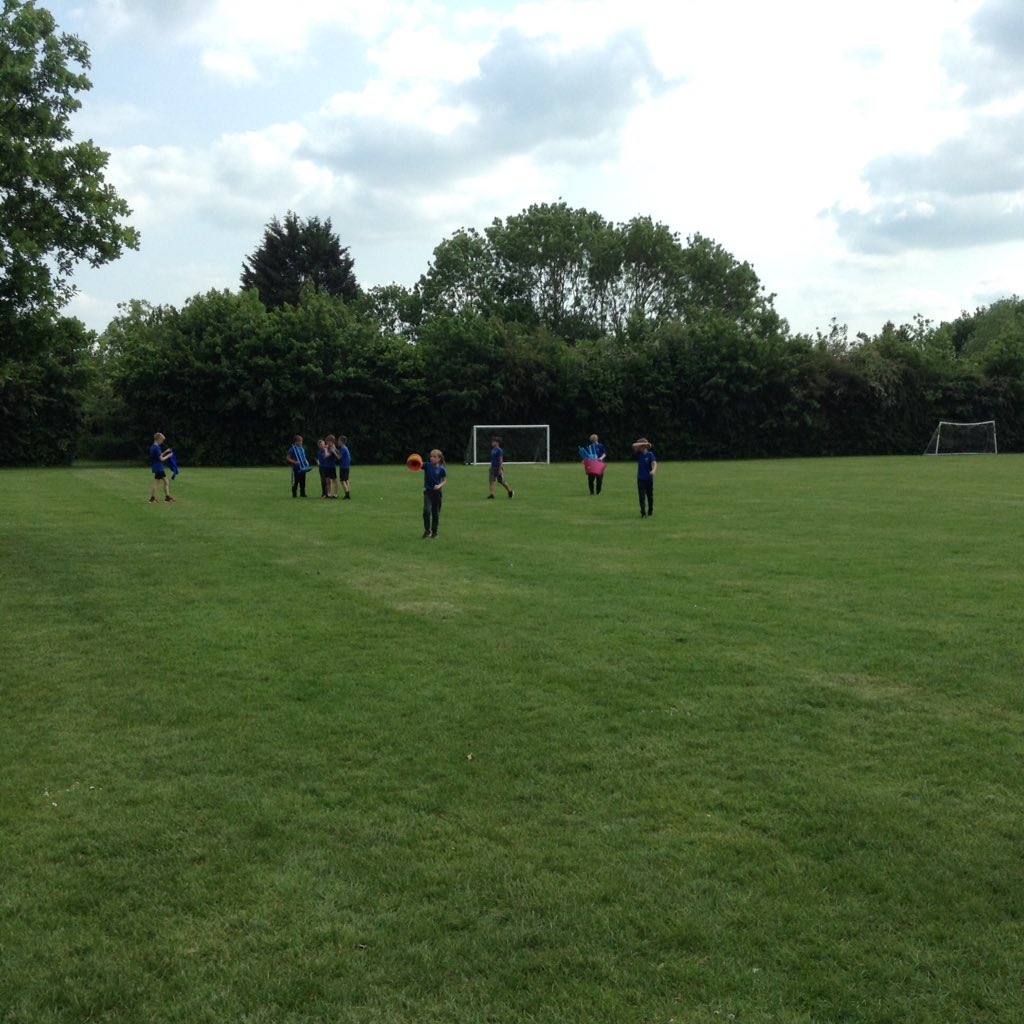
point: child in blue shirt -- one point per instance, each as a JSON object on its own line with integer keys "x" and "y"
{"x": 344, "y": 465}
{"x": 497, "y": 470}
{"x": 595, "y": 473}
{"x": 646, "y": 467}
{"x": 321, "y": 461}
{"x": 435, "y": 476}
{"x": 157, "y": 459}
{"x": 331, "y": 460}
{"x": 300, "y": 466}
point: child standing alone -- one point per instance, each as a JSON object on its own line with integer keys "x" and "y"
{"x": 157, "y": 460}
{"x": 496, "y": 473}
{"x": 646, "y": 467}
{"x": 300, "y": 466}
{"x": 435, "y": 476}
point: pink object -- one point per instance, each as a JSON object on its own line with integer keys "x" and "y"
{"x": 594, "y": 467}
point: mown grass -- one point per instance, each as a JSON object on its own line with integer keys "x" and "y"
{"x": 757, "y": 758}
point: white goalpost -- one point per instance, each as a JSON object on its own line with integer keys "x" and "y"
{"x": 522, "y": 443}
{"x": 951, "y": 438}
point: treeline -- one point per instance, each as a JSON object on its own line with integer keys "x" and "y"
{"x": 551, "y": 316}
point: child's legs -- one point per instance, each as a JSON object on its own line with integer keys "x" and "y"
{"x": 435, "y": 511}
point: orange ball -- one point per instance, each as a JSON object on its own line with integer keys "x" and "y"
{"x": 415, "y": 463}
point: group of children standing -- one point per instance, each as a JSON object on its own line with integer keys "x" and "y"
{"x": 334, "y": 461}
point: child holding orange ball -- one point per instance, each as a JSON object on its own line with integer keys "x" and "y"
{"x": 435, "y": 476}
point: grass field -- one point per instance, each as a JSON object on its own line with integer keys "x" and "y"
{"x": 757, "y": 759}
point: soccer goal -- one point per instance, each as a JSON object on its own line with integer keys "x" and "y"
{"x": 521, "y": 442}
{"x": 963, "y": 439}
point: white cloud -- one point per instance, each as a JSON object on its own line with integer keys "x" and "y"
{"x": 735, "y": 118}
{"x": 235, "y": 67}
{"x": 424, "y": 53}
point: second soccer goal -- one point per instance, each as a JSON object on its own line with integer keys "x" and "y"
{"x": 950, "y": 438}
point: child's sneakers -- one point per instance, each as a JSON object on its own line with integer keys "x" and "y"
{"x": 170, "y": 500}
{"x": 511, "y": 494}
{"x": 153, "y": 501}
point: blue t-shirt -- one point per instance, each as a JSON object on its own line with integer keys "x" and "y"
{"x": 644, "y": 461}
{"x": 432, "y": 475}
{"x": 298, "y": 453}
{"x": 599, "y": 450}
{"x": 496, "y": 456}
{"x": 346, "y": 457}
{"x": 154, "y": 457}
{"x": 321, "y": 458}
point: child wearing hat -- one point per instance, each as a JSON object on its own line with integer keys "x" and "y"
{"x": 646, "y": 467}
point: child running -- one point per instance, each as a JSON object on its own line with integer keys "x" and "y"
{"x": 435, "y": 476}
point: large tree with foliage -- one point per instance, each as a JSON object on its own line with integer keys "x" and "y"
{"x": 580, "y": 276}
{"x": 298, "y": 254}
{"x": 56, "y": 209}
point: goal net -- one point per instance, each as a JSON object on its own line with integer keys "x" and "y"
{"x": 522, "y": 443}
{"x": 963, "y": 439}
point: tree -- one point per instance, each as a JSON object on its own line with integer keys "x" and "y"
{"x": 56, "y": 210}
{"x": 581, "y": 277}
{"x": 42, "y": 400}
{"x": 296, "y": 255}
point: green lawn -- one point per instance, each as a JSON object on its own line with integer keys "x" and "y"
{"x": 272, "y": 761}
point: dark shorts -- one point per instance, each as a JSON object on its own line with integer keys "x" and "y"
{"x": 330, "y": 473}
{"x": 497, "y": 476}
{"x": 343, "y": 474}
{"x": 159, "y": 474}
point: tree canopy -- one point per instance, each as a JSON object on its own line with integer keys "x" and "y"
{"x": 295, "y": 255}
{"x": 56, "y": 209}
{"x": 581, "y": 276}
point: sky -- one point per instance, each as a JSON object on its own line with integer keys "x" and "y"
{"x": 866, "y": 159}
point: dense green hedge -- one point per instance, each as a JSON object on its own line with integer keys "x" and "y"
{"x": 229, "y": 381}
